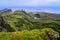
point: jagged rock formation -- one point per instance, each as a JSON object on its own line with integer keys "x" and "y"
{"x": 53, "y": 36}
{"x": 5, "y": 26}
{"x": 22, "y": 12}
{"x": 5, "y": 11}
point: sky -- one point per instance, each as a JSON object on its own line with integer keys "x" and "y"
{"x": 32, "y": 5}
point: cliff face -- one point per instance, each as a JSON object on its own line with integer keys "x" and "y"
{"x": 4, "y": 26}
{"x": 5, "y": 11}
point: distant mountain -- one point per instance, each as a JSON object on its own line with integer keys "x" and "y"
{"x": 45, "y": 15}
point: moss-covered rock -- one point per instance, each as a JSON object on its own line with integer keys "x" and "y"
{"x": 36, "y": 34}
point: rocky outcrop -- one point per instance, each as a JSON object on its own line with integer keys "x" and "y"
{"x": 53, "y": 36}
{"x": 22, "y": 12}
{"x": 5, "y": 25}
{"x": 5, "y": 10}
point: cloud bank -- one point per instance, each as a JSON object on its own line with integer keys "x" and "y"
{"x": 29, "y": 2}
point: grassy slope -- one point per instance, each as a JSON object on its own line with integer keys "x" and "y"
{"x": 31, "y": 28}
{"x": 13, "y": 19}
{"x": 36, "y": 34}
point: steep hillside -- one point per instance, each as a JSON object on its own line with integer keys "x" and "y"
{"x": 20, "y": 18}
{"x": 20, "y": 23}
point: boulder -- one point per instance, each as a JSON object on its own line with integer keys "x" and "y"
{"x": 53, "y": 36}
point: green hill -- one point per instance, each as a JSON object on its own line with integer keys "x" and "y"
{"x": 21, "y": 25}
{"x": 36, "y": 34}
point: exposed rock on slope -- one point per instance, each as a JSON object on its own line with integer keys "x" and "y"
{"x": 4, "y": 25}
{"x": 5, "y": 11}
{"x": 53, "y": 36}
{"x": 22, "y": 12}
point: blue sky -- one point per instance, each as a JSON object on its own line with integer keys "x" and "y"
{"x": 35, "y": 5}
